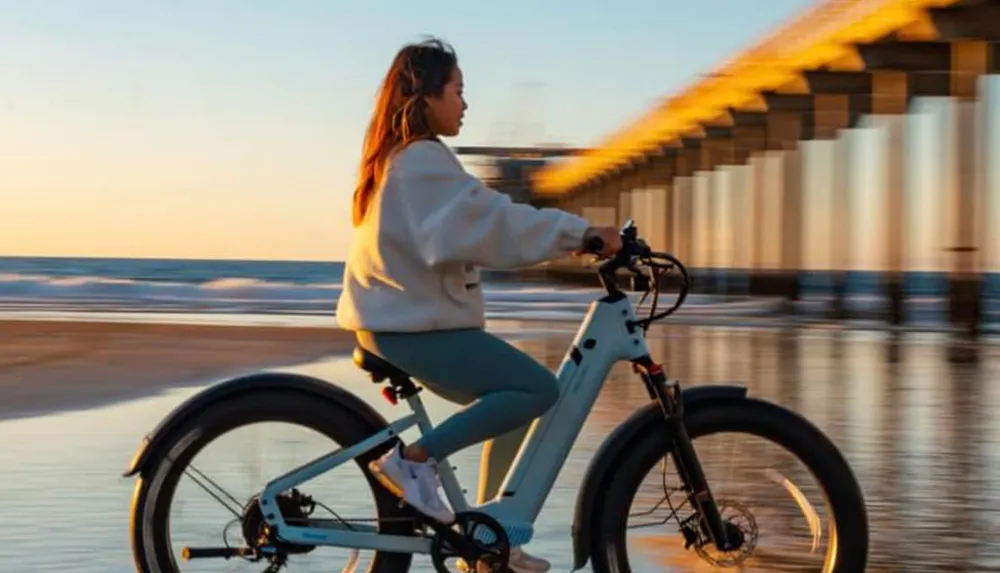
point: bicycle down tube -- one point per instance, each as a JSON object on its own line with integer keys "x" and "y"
{"x": 605, "y": 336}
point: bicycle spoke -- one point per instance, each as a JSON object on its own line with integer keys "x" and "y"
{"x": 238, "y": 513}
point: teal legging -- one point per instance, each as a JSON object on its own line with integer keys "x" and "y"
{"x": 502, "y": 388}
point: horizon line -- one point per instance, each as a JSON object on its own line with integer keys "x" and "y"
{"x": 168, "y": 258}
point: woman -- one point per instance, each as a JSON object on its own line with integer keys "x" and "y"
{"x": 423, "y": 227}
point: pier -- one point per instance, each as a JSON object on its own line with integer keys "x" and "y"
{"x": 810, "y": 168}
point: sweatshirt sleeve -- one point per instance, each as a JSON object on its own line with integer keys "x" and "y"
{"x": 454, "y": 217}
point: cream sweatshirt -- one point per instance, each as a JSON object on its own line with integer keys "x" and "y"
{"x": 413, "y": 264}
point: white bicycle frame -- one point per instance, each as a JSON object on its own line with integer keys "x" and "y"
{"x": 606, "y": 335}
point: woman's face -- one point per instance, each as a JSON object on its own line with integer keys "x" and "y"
{"x": 445, "y": 112}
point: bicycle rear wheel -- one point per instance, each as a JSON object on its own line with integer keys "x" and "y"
{"x": 152, "y": 546}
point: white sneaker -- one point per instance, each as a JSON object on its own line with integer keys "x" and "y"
{"x": 520, "y": 562}
{"x": 416, "y": 483}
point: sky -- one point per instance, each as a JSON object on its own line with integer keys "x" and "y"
{"x": 232, "y": 129}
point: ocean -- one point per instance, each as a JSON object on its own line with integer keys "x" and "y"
{"x": 41, "y": 286}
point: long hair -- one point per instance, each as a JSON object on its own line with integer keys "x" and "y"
{"x": 400, "y": 115}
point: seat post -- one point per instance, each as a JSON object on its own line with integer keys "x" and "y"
{"x": 449, "y": 481}
{"x": 417, "y": 405}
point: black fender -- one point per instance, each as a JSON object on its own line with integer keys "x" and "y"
{"x": 315, "y": 388}
{"x": 618, "y": 443}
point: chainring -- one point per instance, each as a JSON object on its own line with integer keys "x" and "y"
{"x": 475, "y": 537}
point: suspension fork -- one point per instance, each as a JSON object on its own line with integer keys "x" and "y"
{"x": 684, "y": 456}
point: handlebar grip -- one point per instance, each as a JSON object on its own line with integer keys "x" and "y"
{"x": 594, "y": 244}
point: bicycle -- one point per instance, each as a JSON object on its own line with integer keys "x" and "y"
{"x": 277, "y": 523}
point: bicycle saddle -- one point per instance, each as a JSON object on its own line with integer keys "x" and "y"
{"x": 378, "y": 367}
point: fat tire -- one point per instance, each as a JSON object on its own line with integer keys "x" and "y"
{"x": 155, "y": 488}
{"x": 609, "y": 551}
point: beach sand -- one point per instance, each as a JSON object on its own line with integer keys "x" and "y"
{"x": 56, "y": 365}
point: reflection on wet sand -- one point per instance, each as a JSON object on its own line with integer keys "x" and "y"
{"x": 921, "y": 431}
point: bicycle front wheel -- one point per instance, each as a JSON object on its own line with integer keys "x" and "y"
{"x": 646, "y": 522}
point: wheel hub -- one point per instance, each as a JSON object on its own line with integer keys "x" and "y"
{"x": 295, "y": 507}
{"x": 741, "y": 532}
{"x": 475, "y": 538}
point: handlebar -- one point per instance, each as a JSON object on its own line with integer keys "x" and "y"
{"x": 635, "y": 255}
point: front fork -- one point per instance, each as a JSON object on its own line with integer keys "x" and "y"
{"x": 685, "y": 459}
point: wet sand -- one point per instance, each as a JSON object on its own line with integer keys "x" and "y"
{"x": 920, "y": 431}
{"x": 56, "y": 365}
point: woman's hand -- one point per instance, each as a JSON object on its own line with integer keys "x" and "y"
{"x": 611, "y": 241}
